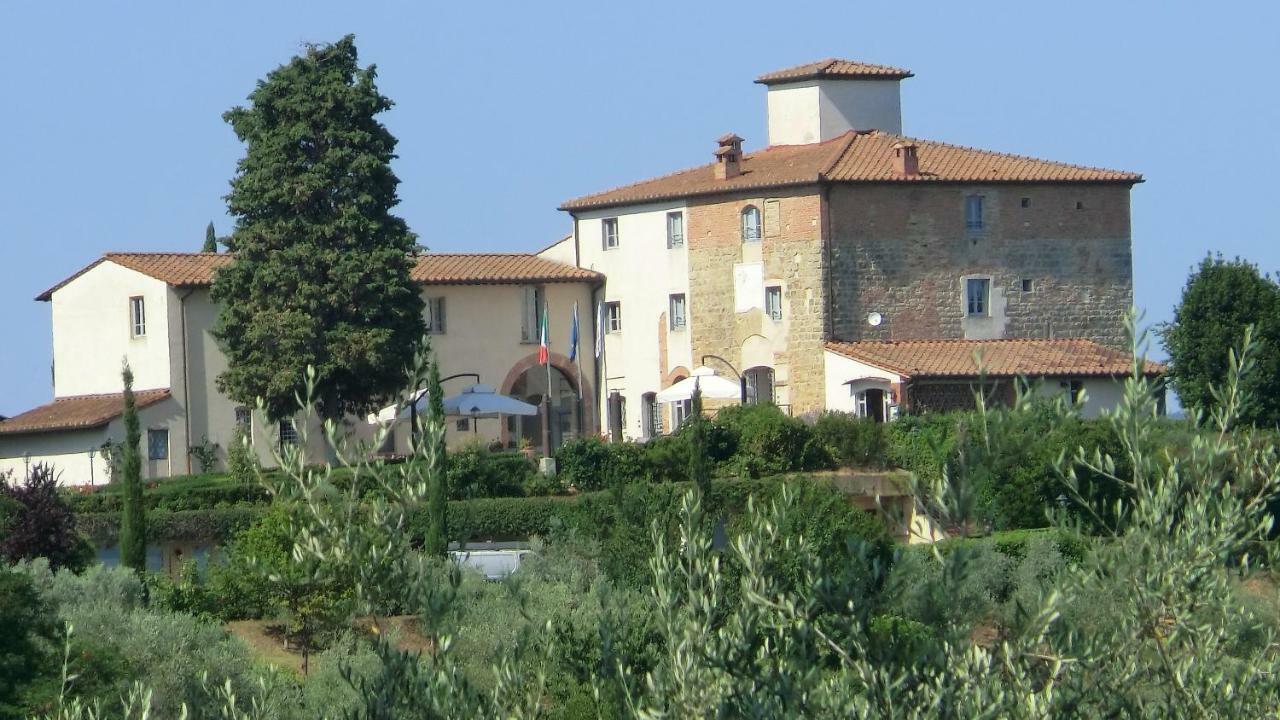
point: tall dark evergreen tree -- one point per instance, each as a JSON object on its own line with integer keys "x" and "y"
{"x": 699, "y": 456}
{"x": 1221, "y": 299}
{"x": 437, "y": 538}
{"x": 210, "y": 239}
{"x": 133, "y": 521}
{"x": 321, "y": 269}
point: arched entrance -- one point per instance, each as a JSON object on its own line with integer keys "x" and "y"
{"x": 759, "y": 385}
{"x": 566, "y": 410}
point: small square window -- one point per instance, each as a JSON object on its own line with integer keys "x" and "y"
{"x": 1028, "y": 285}
{"x": 773, "y": 302}
{"x": 1026, "y": 202}
{"x": 1079, "y": 205}
{"x": 675, "y": 229}
{"x": 677, "y": 312}
{"x": 609, "y": 233}
{"x": 137, "y": 316}
{"x": 977, "y": 296}
{"x": 613, "y": 317}
{"x": 158, "y": 444}
{"x": 463, "y": 424}
{"x": 288, "y": 433}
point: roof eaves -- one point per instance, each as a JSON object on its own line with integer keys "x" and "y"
{"x": 659, "y": 197}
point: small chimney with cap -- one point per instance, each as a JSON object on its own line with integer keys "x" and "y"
{"x": 728, "y": 156}
{"x": 905, "y": 161}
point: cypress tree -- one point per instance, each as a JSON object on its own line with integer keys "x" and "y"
{"x": 437, "y": 538}
{"x": 133, "y": 521}
{"x": 210, "y": 239}
{"x": 321, "y": 275}
{"x": 699, "y": 458}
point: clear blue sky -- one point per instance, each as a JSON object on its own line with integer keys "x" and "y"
{"x": 112, "y": 134}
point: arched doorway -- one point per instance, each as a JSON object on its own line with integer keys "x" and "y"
{"x": 566, "y": 410}
{"x": 759, "y": 385}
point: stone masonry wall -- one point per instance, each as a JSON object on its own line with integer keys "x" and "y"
{"x": 791, "y": 255}
{"x": 903, "y": 251}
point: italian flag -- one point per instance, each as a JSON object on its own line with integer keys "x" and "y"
{"x": 544, "y": 350}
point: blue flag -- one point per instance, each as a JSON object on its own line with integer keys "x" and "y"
{"x": 573, "y": 335}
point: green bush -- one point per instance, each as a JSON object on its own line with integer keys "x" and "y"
{"x": 25, "y": 643}
{"x": 211, "y": 525}
{"x": 768, "y": 442}
{"x": 853, "y": 441}
{"x": 583, "y": 462}
{"x": 475, "y": 472}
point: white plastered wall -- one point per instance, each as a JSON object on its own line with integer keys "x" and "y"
{"x": 92, "y": 332}
{"x": 642, "y": 274}
{"x": 817, "y": 110}
{"x": 840, "y": 370}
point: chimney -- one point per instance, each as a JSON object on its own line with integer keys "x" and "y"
{"x": 905, "y": 162}
{"x": 728, "y": 156}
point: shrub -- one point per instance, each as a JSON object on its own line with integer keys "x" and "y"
{"x": 768, "y": 442}
{"x": 40, "y": 523}
{"x": 475, "y": 472}
{"x": 853, "y": 441}
{"x": 205, "y": 454}
{"x": 582, "y": 462}
{"x": 211, "y": 525}
{"x": 29, "y": 630}
{"x": 242, "y": 461}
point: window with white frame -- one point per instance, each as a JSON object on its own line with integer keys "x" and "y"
{"x": 529, "y": 309}
{"x": 244, "y": 419}
{"x": 677, "y": 311}
{"x": 158, "y": 444}
{"x": 977, "y": 297}
{"x": 973, "y": 212}
{"x": 609, "y": 233}
{"x": 613, "y": 317}
{"x": 680, "y": 411}
{"x": 435, "y": 315}
{"x": 137, "y": 316}
{"x": 750, "y": 223}
{"x": 288, "y": 432}
{"x": 675, "y": 229}
{"x": 773, "y": 301}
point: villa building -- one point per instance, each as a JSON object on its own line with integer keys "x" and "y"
{"x": 154, "y": 310}
{"x": 844, "y": 266}
{"x": 802, "y": 266}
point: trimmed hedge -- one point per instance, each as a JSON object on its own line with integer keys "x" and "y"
{"x": 212, "y": 525}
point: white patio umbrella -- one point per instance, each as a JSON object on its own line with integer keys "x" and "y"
{"x": 483, "y": 401}
{"x": 476, "y": 401}
{"x": 713, "y": 387}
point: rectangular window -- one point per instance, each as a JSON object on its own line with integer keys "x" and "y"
{"x": 609, "y": 233}
{"x": 244, "y": 418}
{"x": 675, "y": 229}
{"x": 613, "y": 317}
{"x": 773, "y": 301}
{"x": 677, "y": 314}
{"x": 1076, "y": 387}
{"x": 530, "y": 312}
{"x": 288, "y": 433}
{"x": 973, "y": 212}
{"x": 1028, "y": 285}
{"x": 137, "y": 316}
{"x": 157, "y": 444}
{"x": 977, "y": 296}
{"x": 435, "y": 315}
{"x": 463, "y": 425}
{"x": 680, "y": 411}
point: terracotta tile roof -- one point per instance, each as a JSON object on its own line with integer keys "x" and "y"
{"x": 834, "y": 68}
{"x": 197, "y": 269}
{"x": 1000, "y": 358}
{"x": 77, "y": 412}
{"x": 853, "y": 157}
{"x": 777, "y": 166}
{"x": 496, "y": 268}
